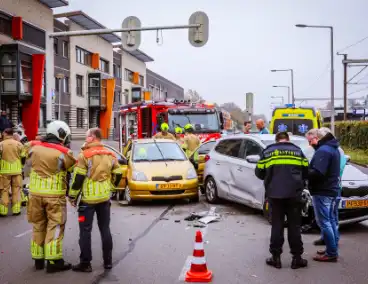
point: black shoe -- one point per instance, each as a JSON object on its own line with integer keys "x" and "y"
{"x": 274, "y": 261}
{"x": 16, "y": 214}
{"x": 298, "y": 262}
{"x": 39, "y": 264}
{"x": 82, "y": 267}
{"x": 57, "y": 266}
{"x": 108, "y": 266}
{"x": 319, "y": 242}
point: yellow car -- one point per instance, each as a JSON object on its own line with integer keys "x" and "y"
{"x": 158, "y": 169}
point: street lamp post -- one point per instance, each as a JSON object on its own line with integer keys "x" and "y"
{"x": 292, "y": 81}
{"x": 288, "y": 91}
{"x": 279, "y": 97}
{"x": 332, "y": 70}
{"x": 60, "y": 77}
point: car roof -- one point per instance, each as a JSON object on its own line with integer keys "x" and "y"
{"x": 260, "y": 137}
{"x": 151, "y": 140}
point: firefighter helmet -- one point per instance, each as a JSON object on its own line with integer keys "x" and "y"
{"x": 164, "y": 126}
{"x": 178, "y": 130}
{"x": 188, "y": 127}
{"x": 59, "y": 129}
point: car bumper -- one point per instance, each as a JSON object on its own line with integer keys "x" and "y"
{"x": 149, "y": 191}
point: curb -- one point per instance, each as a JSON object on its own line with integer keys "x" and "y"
{"x": 361, "y": 165}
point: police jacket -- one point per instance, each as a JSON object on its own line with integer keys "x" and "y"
{"x": 284, "y": 169}
{"x": 324, "y": 168}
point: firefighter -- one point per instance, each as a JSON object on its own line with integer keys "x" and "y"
{"x": 191, "y": 141}
{"x": 178, "y": 133}
{"x": 96, "y": 168}
{"x": 51, "y": 164}
{"x": 12, "y": 158}
{"x": 164, "y": 134}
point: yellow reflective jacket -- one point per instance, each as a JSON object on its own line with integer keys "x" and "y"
{"x": 191, "y": 143}
{"x": 98, "y": 165}
{"x": 160, "y": 135}
{"x": 50, "y": 163}
{"x": 11, "y": 152}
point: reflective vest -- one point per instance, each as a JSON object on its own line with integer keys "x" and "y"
{"x": 94, "y": 191}
{"x": 13, "y": 166}
{"x": 56, "y": 184}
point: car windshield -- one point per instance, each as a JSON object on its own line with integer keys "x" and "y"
{"x": 301, "y": 142}
{"x": 295, "y": 126}
{"x": 159, "y": 151}
{"x": 203, "y": 123}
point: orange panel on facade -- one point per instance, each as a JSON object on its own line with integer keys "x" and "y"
{"x": 105, "y": 116}
{"x": 17, "y": 28}
{"x": 95, "y": 62}
{"x": 136, "y": 78}
{"x": 147, "y": 96}
{"x": 31, "y": 110}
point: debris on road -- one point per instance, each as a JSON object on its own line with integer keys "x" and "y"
{"x": 177, "y": 221}
{"x": 203, "y": 217}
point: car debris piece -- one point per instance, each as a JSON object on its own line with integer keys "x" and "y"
{"x": 209, "y": 219}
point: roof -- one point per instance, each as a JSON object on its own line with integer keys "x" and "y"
{"x": 139, "y": 54}
{"x": 150, "y": 140}
{"x": 54, "y": 3}
{"x": 88, "y": 23}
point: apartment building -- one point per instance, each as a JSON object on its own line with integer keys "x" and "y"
{"x": 27, "y": 61}
{"x": 162, "y": 88}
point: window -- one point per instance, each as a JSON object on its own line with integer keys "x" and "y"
{"x": 141, "y": 80}
{"x": 65, "y": 49}
{"x": 9, "y": 72}
{"x": 104, "y": 65}
{"x": 117, "y": 71}
{"x": 206, "y": 148}
{"x": 57, "y": 84}
{"x": 160, "y": 151}
{"x": 66, "y": 84}
{"x": 56, "y": 46}
{"x": 117, "y": 97}
{"x": 34, "y": 36}
{"x": 83, "y": 56}
{"x": 5, "y": 24}
{"x": 252, "y": 148}
{"x": 80, "y": 85}
{"x": 114, "y": 122}
{"x": 56, "y": 115}
{"x": 229, "y": 147}
{"x": 25, "y": 74}
{"x": 80, "y": 117}
{"x": 128, "y": 75}
{"x": 67, "y": 117}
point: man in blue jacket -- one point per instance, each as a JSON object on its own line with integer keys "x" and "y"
{"x": 324, "y": 186}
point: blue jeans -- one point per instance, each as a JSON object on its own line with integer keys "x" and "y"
{"x": 326, "y": 214}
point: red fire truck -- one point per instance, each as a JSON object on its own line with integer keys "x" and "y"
{"x": 142, "y": 119}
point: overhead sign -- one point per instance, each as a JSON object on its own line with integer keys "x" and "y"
{"x": 198, "y": 37}
{"x": 249, "y": 102}
{"x": 131, "y": 40}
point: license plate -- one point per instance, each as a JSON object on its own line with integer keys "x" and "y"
{"x": 168, "y": 186}
{"x": 356, "y": 203}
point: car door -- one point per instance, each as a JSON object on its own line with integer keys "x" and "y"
{"x": 253, "y": 189}
{"x": 124, "y": 168}
{"x": 199, "y": 164}
{"x": 226, "y": 174}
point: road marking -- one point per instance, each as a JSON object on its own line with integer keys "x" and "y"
{"x": 23, "y": 234}
{"x": 186, "y": 267}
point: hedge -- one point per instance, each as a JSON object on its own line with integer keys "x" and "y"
{"x": 352, "y": 134}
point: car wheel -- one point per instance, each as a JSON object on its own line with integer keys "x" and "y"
{"x": 127, "y": 196}
{"x": 211, "y": 190}
{"x": 267, "y": 212}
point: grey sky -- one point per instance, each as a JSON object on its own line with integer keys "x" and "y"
{"x": 247, "y": 39}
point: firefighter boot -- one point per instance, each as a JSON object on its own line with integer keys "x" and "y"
{"x": 82, "y": 267}
{"x": 57, "y": 266}
{"x": 39, "y": 264}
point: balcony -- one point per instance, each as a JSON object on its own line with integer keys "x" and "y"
{"x": 97, "y": 91}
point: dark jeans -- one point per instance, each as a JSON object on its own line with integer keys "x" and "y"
{"x": 291, "y": 208}
{"x": 326, "y": 210}
{"x": 86, "y": 214}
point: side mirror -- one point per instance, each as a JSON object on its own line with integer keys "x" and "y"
{"x": 123, "y": 162}
{"x": 253, "y": 159}
{"x": 221, "y": 120}
{"x": 348, "y": 158}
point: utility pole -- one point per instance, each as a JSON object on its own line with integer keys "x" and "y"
{"x": 345, "y": 64}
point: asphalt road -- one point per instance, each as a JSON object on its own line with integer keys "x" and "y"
{"x": 153, "y": 244}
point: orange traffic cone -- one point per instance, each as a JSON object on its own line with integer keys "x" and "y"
{"x": 198, "y": 271}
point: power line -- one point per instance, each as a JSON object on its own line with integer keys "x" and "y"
{"x": 318, "y": 78}
{"x": 365, "y": 67}
{"x": 358, "y": 91}
{"x": 354, "y": 44}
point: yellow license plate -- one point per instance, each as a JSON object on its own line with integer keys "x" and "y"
{"x": 169, "y": 186}
{"x": 356, "y": 203}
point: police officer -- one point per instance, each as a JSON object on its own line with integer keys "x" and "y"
{"x": 50, "y": 163}
{"x": 284, "y": 169}
{"x": 92, "y": 184}
{"x": 12, "y": 158}
{"x": 191, "y": 141}
{"x": 164, "y": 133}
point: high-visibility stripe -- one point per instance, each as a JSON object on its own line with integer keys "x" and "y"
{"x": 54, "y": 185}
{"x": 10, "y": 168}
{"x": 198, "y": 246}
{"x": 3, "y": 210}
{"x": 199, "y": 260}
{"x": 16, "y": 208}
{"x": 54, "y": 250}
{"x": 37, "y": 251}
{"x": 288, "y": 161}
{"x": 279, "y": 157}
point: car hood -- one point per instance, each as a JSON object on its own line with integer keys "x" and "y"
{"x": 352, "y": 173}
{"x": 171, "y": 168}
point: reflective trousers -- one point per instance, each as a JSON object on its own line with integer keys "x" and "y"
{"x": 13, "y": 184}
{"x": 48, "y": 217}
